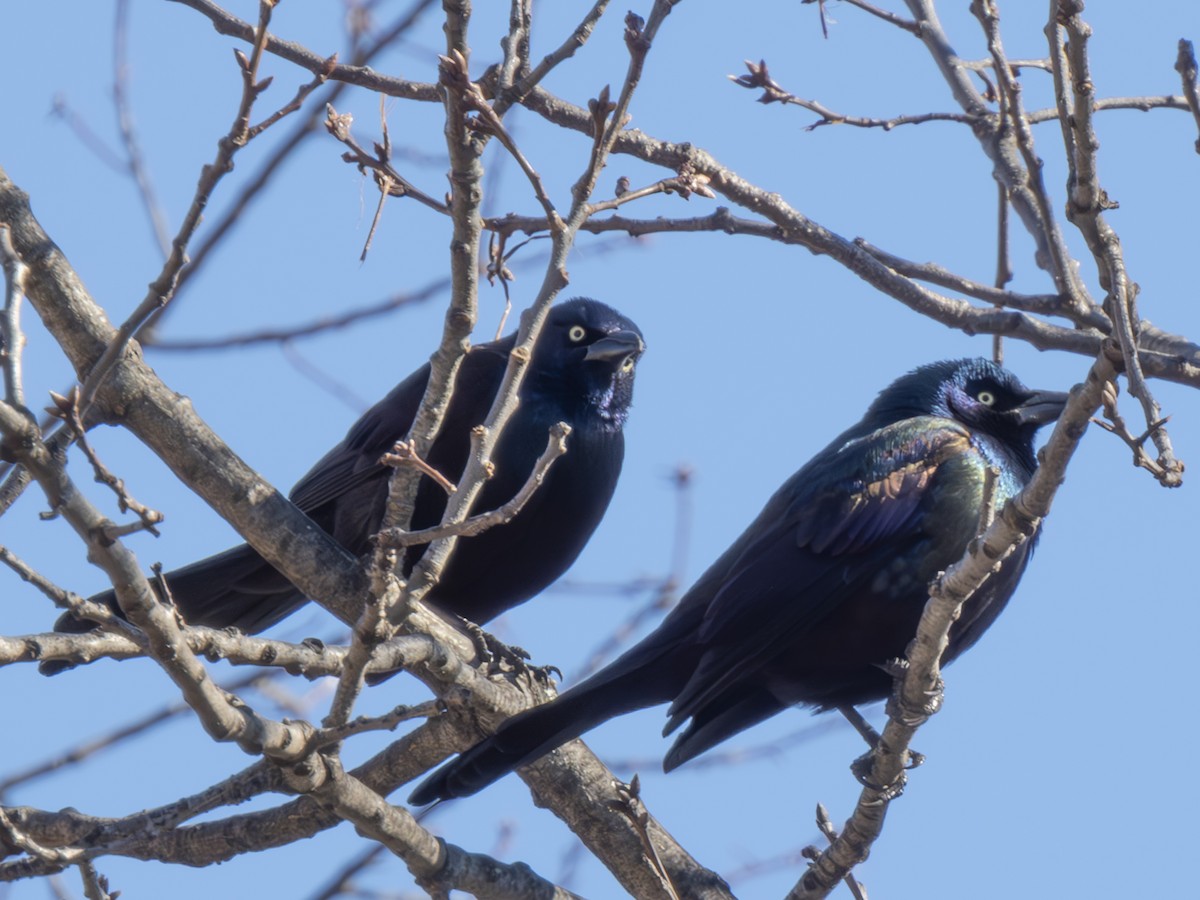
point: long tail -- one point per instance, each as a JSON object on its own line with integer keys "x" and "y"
{"x": 634, "y": 681}
{"x": 237, "y": 588}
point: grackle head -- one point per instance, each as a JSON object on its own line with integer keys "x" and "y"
{"x": 986, "y": 398}
{"x": 587, "y": 354}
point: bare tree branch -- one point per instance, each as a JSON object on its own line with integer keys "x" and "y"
{"x": 1185, "y": 65}
{"x": 163, "y": 287}
{"x": 12, "y": 339}
{"x": 392, "y": 628}
{"x": 1085, "y": 209}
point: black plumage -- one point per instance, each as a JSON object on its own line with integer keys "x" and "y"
{"x": 581, "y": 372}
{"x": 824, "y": 588}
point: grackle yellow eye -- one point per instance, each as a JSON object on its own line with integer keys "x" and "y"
{"x": 987, "y": 398}
{"x": 627, "y": 366}
{"x": 577, "y": 333}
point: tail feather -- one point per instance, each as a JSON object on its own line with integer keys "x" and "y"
{"x": 237, "y": 588}
{"x": 533, "y": 733}
{"x": 719, "y": 721}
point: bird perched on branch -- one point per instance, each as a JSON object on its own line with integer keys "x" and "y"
{"x": 824, "y": 590}
{"x": 581, "y": 372}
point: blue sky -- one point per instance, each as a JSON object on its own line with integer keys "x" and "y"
{"x": 1060, "y": 742}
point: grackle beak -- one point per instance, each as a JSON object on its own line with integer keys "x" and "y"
{"x": 615, "y": 348}
{"x": 1041, "y": 407}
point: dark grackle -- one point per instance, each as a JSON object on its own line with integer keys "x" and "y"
{"x": 824, "y": 589}
{"x": 581, "y": 372}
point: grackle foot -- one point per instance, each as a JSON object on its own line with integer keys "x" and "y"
{"x": 501, "y": 658}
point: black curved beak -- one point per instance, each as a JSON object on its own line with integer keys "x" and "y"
{"x": 1041, "y": 407}
{"x": 615, "y": 348}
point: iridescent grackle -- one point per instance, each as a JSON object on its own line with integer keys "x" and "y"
{"x": 581, "y": 372}
{"x": 824, "y": 588}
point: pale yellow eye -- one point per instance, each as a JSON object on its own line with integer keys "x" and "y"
{"x": 627, "y": 366}
{"x": 577, "y": 333}
{"x": 987, "y": 398}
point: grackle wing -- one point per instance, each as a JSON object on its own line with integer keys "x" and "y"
{"x": 817, "y": 549}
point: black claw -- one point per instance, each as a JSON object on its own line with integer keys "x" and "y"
{"x": 501, "y": 658}
{"x": 861, "y": 769}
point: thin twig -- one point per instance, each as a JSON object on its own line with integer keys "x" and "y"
{"x": 224, "y": 719}
{"x": 403, "y": 454}
{"x": 665, "y": 591}
{"x": 789, "y": 225}
{"x": 12, "y": 338}
{"x": 515, "y": 45}
{"x": 162, "y": 289}
{"x": 382, "y": 180}
{"x": 95, "y": 885}
{"x": 319, "y": 326}
{"x": 67, "y": 408}
{"x": 759, "y": 78}
{"x": 465, "y": 205}
{"x": 389, "y": 721}
{"x": 397, "y": 538}
{"x": 1185, "y": 65}
{"x": 826, "y": 827}
{"x": 136, "y": 163}
{"x": 629, "y": 804}
{"x": 1004, "y": 273}
{"x": 518, "y": 91}
{"x": 483, "y": 439}
{"x": 220, "y": 226}
{"x": 488, "y": 122}
{"x": 686, "y": 183}
{"x": 724, "y": 756}
{"x": 60, "y": 108}
{"x": 1029, "y": 185}
{"x": 86, "y": 610}
{"x": 342, "y": 882}
{"x": 296, "y": 102}
{"x": 1086, "y": 206}
{"x": 1137, "y": 444}
{"x": 371, "y": 630}
{"x": 983, "y": 65}
{"x": 361, "y": 75}
{"x": 906, "y": 24}
{"x": 1042, "y": 304}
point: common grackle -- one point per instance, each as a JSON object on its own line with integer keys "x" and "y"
{"x": 824, "y": 588}
{"x": 581, "y": 372}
